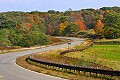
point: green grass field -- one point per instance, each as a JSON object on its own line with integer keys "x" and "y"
{"x": 104, "y": 40}
{"x": 107, "y": 55}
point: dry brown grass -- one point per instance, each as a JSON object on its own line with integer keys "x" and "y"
{"x": 50, "y": 71}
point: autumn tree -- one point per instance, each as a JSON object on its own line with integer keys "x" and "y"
{"x": 98, "y": 28}
{"x": 74, "y": 16}
{"x": 49, "y": 31}
{"x": 61, "y": 27}
{"x": 80, "y": 24}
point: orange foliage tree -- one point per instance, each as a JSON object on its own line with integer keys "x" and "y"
{"x": 80, "y": 24}
{"x": 98, "y": 28}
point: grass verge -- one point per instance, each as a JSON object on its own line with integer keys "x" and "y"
{"x": 55, "y": 57}
{"x": 107, "y": 55}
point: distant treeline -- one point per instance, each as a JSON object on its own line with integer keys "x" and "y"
{"x": 30, "y": 28}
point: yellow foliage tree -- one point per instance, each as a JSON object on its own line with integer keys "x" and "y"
{"x": 63, "y": 25}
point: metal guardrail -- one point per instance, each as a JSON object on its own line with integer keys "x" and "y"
{"x": 77, "y": 68}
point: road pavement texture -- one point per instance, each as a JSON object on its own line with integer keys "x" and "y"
{"x": 9, "y": 70}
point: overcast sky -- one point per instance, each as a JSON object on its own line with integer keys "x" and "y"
{"x": 60, "y": 5}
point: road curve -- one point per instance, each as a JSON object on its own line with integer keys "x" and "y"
{"x": 10, "y": 71}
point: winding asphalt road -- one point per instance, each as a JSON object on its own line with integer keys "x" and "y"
{"x": 10, "y": 71}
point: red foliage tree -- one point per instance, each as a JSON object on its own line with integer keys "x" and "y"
{"x": 76, "y": 16}
{"x": 49, "y": 30}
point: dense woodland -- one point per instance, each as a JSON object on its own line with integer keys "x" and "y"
{"x": 32, "y": 28}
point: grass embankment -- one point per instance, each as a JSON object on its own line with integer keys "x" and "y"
{"x": 54, "y": 56}
{"x": 107, "y": 55}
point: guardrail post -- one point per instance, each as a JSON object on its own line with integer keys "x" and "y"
{"x": 96, "y": 74}
{"x": 26, "y": 59}
{"x": 90, "y": 73}
{"x": 84, "y": 73}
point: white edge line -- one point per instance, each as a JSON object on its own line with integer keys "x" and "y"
{"x": 1, "y": 76}
{"x": 38, "y": 72}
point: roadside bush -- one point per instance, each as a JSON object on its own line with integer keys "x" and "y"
{"x": 4, "y": 37}
{"x": 28, "y": 39}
